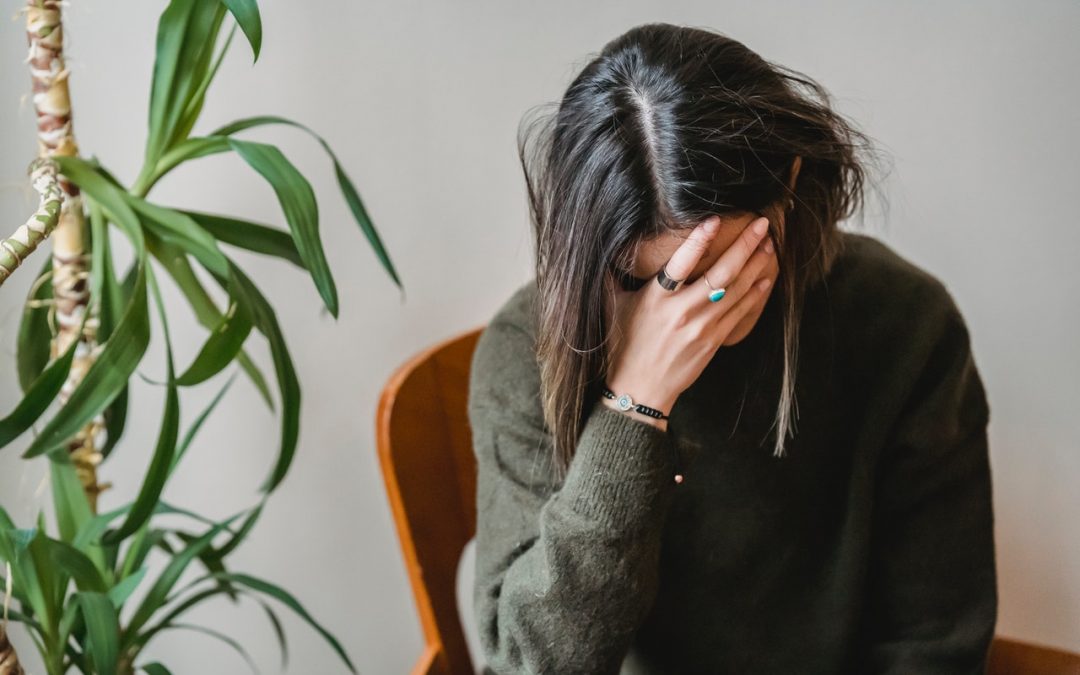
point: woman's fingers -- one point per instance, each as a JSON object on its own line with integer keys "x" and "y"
{"x": 723, "y": 272}
{"x": 745, "y": 284}
{"x": 686, "y": 257}
{"x": 736, "y": 313}
{"x": 744, "y": 304}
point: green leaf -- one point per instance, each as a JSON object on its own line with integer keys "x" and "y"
{"x": 16, "y": 588}
{"x": 39, "y": 396}
{"x": 167, "y": 508}
{"x": 265, "y": 319}
{"x": 28, "y": 621}
{"x": 220, "y": 588}
{"x": 210, "y": 560}
{"x": 103, "y": 630}
{"x": 71, "y": 505}
{"x": 156, "y": 669}
{"x": 45, "y": 577}
{"x": 189, "y": 602}
{"x": 176, "y": 228}
{"x": 169, "y": 576}
{"x": 198, "y": 97}
{"x": 98, "y": 185}
{"x": 33, "y": 628}
{"x": 104, "y": 289}
{"x": 161, "y": 460}
{"x": 104, "y": 378}
{"x": 198, "y": 422}
{"x": 171, "y": 33}
{"x": 73, "y": 561}
{"x": 238, "y": 537}
{"x": 301, "y": 211}
{"x": 41, "y": 393}
{"x": 221, "y": 348}
{"x": 90, "y": 531}
{"x": 115, "y": 421}
{"x": 69, "y": 498}
{"x": 196, "y": 598}
{"x": 18, "y": 541}
{"x": 220, "y": 636}
{"x": 348, "y": 189}
{"x": 175, "y": 262}
{"x": 187, "y": 31}
{"x": 279, "y": 633}
{"x": 34, "y": 340}
{"x": 119, "y": 357}
{"x": 254, "y": 237}
{"x": 246, "y": 13}
{"x": 288, "y": 600}
{"x": 112, "y": 297}
{"x": 191, "y": 148}
{"x": 71, "y": 623}
{"x": 14, "y": 544}
{"x": 119, "y": 593}
{"x": 139, "y": 549}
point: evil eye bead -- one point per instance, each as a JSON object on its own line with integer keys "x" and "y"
{"x": 624, "y": 402}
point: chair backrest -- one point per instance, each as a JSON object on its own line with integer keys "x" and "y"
{"x": 425, "y": 452}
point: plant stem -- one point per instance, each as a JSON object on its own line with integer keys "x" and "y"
{"x": 39, "y": 226}
{"x": 52, "y": 106}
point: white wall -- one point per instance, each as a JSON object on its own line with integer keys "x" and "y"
{"x": 977, "y": 107}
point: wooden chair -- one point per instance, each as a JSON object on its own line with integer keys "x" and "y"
{"x": 1012, "y": 657}
{"x": 425, "y": 452}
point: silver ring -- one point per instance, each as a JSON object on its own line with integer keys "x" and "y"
{"x": 715, "y": 294}
{"x": 666, "y": 282}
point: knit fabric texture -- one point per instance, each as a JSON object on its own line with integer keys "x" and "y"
{"x": 867, "y": 549}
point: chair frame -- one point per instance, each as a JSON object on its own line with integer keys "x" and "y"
{"x": 422, "y": 430}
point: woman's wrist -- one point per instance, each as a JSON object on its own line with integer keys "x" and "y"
{"x": 658, "y": 423}
{"x": 649, "y": 396}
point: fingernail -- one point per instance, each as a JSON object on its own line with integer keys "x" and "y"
{"x": 712, "y": 225}
{"x": 761, "y": 226}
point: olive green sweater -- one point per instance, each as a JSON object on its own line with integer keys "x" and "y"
{"x": 869, "y": 548}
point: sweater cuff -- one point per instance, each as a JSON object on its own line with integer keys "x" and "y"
{"x": 622, "y": 471}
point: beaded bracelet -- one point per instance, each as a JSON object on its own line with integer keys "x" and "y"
{"x": 626, "y": 403}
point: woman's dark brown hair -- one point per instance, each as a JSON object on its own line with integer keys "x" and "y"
{"x": 666, "y": 126}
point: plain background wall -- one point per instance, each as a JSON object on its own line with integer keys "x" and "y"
{"x": 976, "y": 104}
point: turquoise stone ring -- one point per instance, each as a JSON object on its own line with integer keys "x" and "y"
{"x": 714, "y": 293}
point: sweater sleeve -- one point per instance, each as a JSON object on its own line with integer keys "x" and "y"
{"x": 932, "y": 603}
{"x": 565, "y": 573}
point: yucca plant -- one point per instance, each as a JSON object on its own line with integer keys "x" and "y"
{"x": 85, "y": 329}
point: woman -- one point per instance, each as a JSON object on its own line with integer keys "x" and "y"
{"x": 717, "y": 434}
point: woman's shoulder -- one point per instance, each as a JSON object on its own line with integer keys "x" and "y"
{"x": 894, "y": 320}
{"x": 517, "y": 309}
{"x": 871, "y": 280}
{"x": 504, "y": 370}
